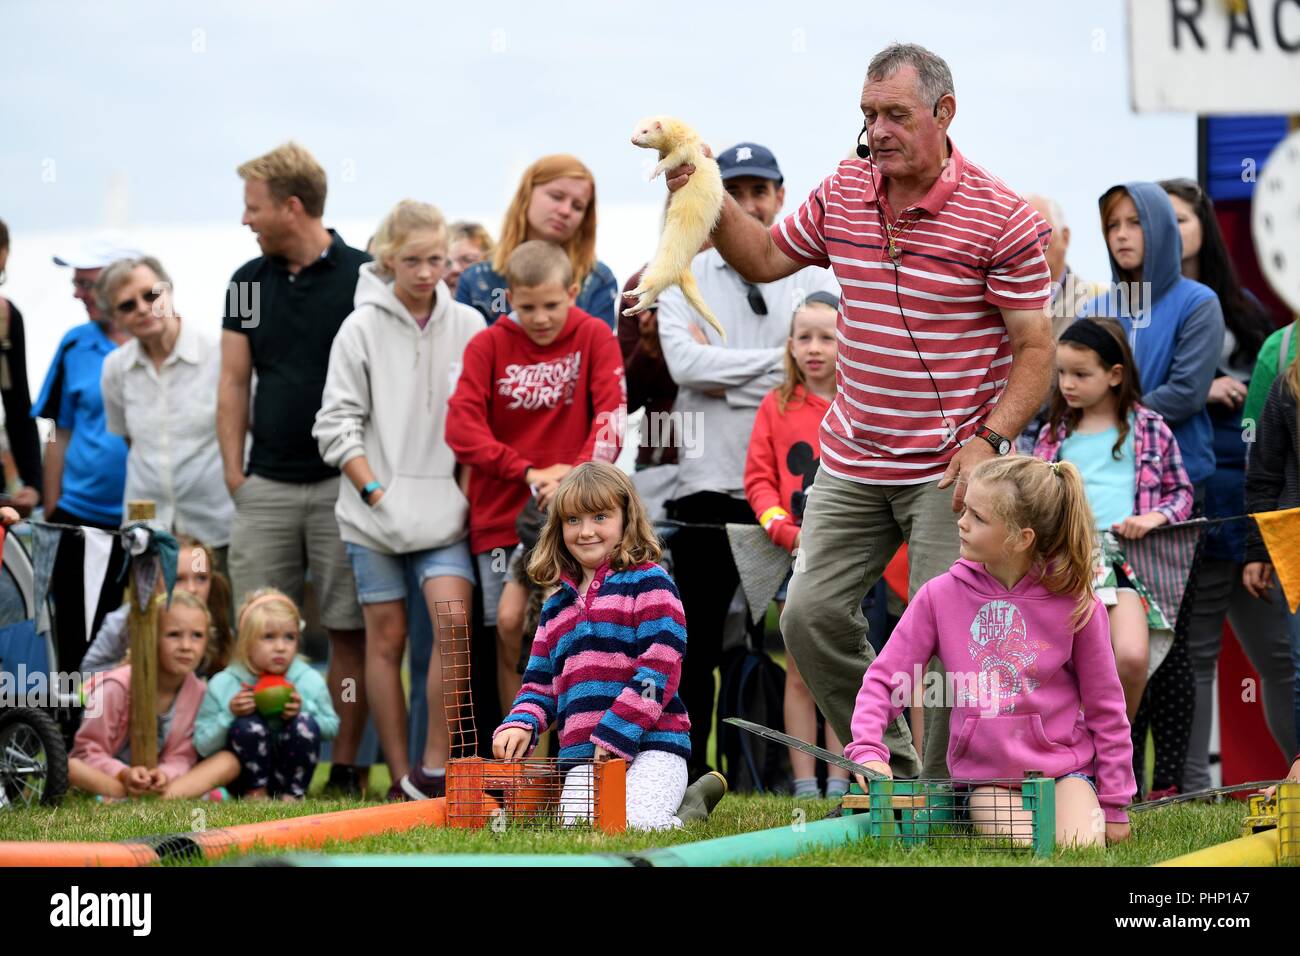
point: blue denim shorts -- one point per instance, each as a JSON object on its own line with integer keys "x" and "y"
{"x": 382, "y": 577}
{"x": 1092, "y": 781}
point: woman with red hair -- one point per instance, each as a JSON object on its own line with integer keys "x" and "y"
{"x": 555, "y": 201}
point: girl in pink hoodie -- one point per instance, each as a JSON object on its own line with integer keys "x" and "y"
{"x": 101, "y": 761}
{"x": 1031, "y": 676}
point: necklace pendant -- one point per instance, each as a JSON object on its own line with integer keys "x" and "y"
{"x": 893, "y": 252}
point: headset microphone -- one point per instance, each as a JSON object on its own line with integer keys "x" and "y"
{"x": 864, "y": 149}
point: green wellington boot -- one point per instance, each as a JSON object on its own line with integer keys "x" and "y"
{"x": 702, "y": 796}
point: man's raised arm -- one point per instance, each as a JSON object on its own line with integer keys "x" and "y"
{"x": 742, "y": 240}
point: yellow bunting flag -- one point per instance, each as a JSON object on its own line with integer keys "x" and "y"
{"x": 1281, "y": 531}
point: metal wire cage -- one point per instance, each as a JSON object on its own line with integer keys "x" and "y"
{"x": 532, "y": 792}
{"x": 1288, "y": 823}
{"x": 1004, "y": 814}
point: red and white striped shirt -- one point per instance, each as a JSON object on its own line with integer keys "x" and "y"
{"x": 969, "y": 248}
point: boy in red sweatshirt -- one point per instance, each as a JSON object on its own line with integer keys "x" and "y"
{"x": 538, "y": 393}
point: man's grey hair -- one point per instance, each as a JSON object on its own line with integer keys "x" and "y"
{"x": 115, "y": 276}
{"x": 1055, "y": 214}
{"x": 934, "y": 79}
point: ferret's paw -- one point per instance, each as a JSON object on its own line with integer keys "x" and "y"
{"x": 646, "y": 298}
{"x": 663, "y": 167}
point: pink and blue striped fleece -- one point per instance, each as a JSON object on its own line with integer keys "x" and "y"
{"x": 605, "y": 667}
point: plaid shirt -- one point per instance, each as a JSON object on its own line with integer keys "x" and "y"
{"x": 1162, "y": 483}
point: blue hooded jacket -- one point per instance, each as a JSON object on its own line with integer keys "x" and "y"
{"x": 1177, "y": 337}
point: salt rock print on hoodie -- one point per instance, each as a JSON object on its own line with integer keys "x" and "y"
{"x": 1029, "y": 694}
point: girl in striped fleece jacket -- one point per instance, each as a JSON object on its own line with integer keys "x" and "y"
{"x": 607, "y": 657}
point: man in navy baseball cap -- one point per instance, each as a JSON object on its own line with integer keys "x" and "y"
{"x": 751, "y": 175}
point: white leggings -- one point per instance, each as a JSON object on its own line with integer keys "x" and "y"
{"x": 656, "y": 783}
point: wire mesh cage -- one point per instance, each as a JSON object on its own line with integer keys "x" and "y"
{"x": 532, "y": 792}
{"x": 537, "y": 792}
{"x": 1006, "y": 814}
{"x": 1288, "y": 823}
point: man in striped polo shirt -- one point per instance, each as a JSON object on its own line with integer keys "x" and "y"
{"x": 944, "y": 355}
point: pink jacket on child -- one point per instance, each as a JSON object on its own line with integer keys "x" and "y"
{"x": 1027, "y": 692}
{"x": 100, "y": 738}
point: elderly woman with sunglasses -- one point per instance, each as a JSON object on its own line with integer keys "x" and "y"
{"x": 160, "y": 394}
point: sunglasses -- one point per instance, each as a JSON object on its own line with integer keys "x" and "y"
{"x": 755, "y": 298}
{"x": 127, "y": 306}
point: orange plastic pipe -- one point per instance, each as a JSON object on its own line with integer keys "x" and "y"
{"x": 302, "y": 832}
{"x": 316, "y": 829}
{"x": 35, "y": 853}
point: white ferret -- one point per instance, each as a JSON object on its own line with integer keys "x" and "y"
{"x": 691, "y": 216}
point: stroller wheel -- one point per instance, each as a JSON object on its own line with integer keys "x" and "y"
{"x": 33, "y": 759}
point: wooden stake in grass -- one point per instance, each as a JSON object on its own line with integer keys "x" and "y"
{"x": 144, "y": 660}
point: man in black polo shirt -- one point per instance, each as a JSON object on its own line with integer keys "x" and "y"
{"x": 282, "y": 312}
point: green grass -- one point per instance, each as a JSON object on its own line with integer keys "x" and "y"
{"x": 1157, "y": 835}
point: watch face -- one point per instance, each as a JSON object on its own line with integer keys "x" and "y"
{"x": 1004, "y": 447}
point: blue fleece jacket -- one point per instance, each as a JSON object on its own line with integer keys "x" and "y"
{"x": 214, "y": 719}
{"x": 1177, "y": 336}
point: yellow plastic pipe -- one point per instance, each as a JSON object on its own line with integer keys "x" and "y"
{"x": 1258, "y": 849}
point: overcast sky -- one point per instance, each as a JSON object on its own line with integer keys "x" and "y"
{"x": 135, "y": 114}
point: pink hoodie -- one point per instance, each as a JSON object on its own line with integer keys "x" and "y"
{"x": 1022, "y": 684}
{"x": 100, "y": 738}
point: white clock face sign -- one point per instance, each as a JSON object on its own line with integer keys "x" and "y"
{"x": 1275, "y": 220}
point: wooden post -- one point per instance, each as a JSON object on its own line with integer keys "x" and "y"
{"x": 144, "y": 662}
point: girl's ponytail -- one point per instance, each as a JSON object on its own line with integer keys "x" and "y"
{"x": 1050, "y": 500}
{"x": 1068, "y": 552}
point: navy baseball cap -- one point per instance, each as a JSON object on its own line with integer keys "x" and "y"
{"x": 749, "y": 159}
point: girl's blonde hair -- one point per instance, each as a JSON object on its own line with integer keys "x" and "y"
{"x": 1048, "y": 499}
{"x": 259, "y": 609}
{"x": 581, "y": 249}
{"x": 1293, "y": 375}
{"x": 158, "y": 606}
{"x": 593, "y": 486}
{"x": 794, "y": 376}
{"x": 406, "y": 217}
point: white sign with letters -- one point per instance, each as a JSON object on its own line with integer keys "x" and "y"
{"x": 1215, "y": 56}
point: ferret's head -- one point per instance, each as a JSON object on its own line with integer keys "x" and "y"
{"x": 650, "y": 131}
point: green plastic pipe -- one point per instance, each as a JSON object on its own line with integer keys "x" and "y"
{"x": 777, "y": 843}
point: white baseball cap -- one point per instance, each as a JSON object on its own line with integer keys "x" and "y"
{"x": 98, "y": 252}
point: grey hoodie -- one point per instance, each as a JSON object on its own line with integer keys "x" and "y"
{"x": 386, "y": 397}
